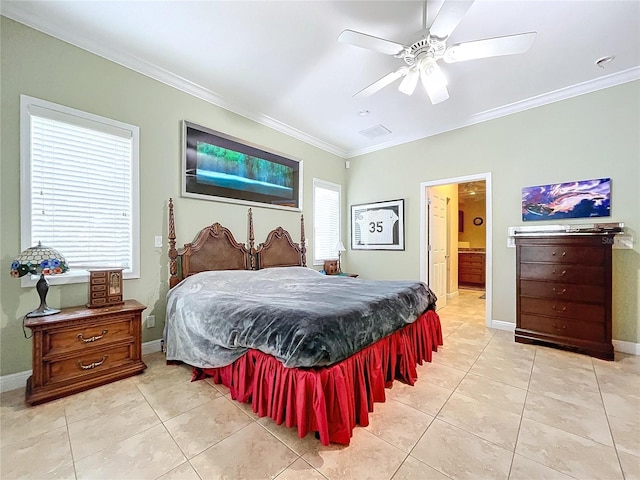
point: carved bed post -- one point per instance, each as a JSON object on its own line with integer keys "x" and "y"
{"x": 173, "y": 253}
{"x": 303, "y": 242}
{"x": 252, "y": 249}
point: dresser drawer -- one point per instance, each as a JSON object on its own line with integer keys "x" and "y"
{"x": 563, "y": 309}
{"x": 563, "y": 291}
{"x": 81, "y": 337}
{"x": 564, "y": 273}
{"x": 559, "y": 327}
{"x": 471, "y": 259}
{"x": 90, "y": 363}
{"x": 471, "y": 278}
{"x": 563, "y": 254}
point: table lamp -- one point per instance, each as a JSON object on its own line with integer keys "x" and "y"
{"x": 44, "y": 261}
{"x": 340, "y": 248}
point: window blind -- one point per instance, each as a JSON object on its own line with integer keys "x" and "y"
{"x": 81, "y": 189}
{"x": 326, "y": 220}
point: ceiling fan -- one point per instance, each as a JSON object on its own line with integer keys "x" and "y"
{"x": 421, "y": 57}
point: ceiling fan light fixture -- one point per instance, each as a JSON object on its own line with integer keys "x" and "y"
{"x": 409, "y": 82}
{"x": 421, "y": 57}
{"x": 433, "y": 81}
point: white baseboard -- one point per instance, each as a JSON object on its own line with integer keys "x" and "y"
{"x": 14, "y": 380}
{"x": 626, "y": 347}
{"x": 501, "y": 325}
{"x": 19, "y": 380}
{"x": 151, "y": 347}
{"x": 453, "y": 295}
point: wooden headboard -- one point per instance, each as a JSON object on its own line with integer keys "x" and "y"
{"x": 215, "y": 248}
{"x": 279, "y": 250}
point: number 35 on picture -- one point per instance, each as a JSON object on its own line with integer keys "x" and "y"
{"x": 378, "y": 226}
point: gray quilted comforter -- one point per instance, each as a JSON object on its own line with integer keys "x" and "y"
{"x": 299, "y": 316}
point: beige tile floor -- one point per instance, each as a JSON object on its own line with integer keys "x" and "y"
{"x": 485, "y": 408}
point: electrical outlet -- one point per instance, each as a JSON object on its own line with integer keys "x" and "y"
{"x": 158, "y": 241}
{"x": 151, "y": 321}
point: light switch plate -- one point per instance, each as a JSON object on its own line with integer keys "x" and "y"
{"x": 158, "y": 241}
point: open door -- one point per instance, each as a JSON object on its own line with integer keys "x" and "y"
{"x": 437, "y": 248}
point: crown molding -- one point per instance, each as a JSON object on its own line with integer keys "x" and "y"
{"x": 600, "y": 83}
{"x": 33, "y": 20}
{"x": 14, "y": 11}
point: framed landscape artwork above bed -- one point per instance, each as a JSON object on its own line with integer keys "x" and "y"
{"x": 378, "y": 226}
{"x": 219, "y": 167}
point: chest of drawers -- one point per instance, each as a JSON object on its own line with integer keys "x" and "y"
{"x": 80, "y": 348}
{"x": 564, "y": 292}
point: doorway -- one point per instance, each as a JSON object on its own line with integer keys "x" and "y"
{"x": 432, "y": 237}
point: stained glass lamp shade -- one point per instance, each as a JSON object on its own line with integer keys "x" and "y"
{"x": 40, "y": 260}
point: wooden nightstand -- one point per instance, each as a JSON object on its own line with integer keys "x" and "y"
{"x": 81, "y": 348}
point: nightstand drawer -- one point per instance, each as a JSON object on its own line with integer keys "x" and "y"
{"x": 91, "y": 363}
{"x": 79, "y": 338}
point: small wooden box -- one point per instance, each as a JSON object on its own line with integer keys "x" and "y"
{"x": 331, "y": 267}
{"x": 105, "y": 288}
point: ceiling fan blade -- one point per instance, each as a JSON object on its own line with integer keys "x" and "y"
{"x": 383, "y": 82}
{"x": 434, "y": 82}
{"x": 490, "y": 47}
{"x": 370, "y": 42}
{"x": 447, "y": 19}
{"x": 409, "y": 82}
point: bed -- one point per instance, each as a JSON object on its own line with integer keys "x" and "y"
{"x": 308, "y": 350}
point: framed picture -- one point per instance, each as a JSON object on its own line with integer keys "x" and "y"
{"x": 222, "y": 168}
{"x": 378, "y": 226}
{"x": 581, "y": 199}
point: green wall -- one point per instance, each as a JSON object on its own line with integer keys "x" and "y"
{"x": 41, "y": 66}
{"x": 590, "y": 136}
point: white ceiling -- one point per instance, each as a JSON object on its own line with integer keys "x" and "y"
{"x": 278, "y": 62}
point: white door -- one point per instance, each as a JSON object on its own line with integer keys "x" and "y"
{"x": 437, "y": 245}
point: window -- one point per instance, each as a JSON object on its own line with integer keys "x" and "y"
{"x": 79, "y": 188}
{"x": 326, "y": 220}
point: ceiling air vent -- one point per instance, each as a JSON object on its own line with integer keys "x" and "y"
{"x": 377, "y": 131}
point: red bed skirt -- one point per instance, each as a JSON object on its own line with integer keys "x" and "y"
{"x": 329, "y": 400}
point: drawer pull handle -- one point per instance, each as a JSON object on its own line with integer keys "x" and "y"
{"x": 561, "y": 292}
{"x": 560, "y": 274}
{"x": 563, "y": 327}
{"x": 92, "y": 364}
{"x": 92, "y": 339}
{"x": 563, "y": 254}
{"x": 556, "y": 309}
